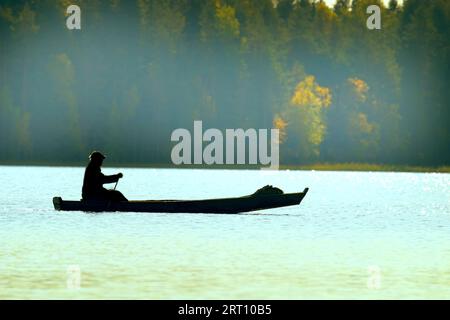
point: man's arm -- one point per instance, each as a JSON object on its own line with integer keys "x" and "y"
{"x": 110, "y": 179}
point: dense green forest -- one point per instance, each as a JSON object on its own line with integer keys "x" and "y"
{"x": 137, "y": 70}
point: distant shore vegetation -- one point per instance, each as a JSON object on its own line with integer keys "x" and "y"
{"x": 309, "y": 167}
{"x": 339, "y": 93}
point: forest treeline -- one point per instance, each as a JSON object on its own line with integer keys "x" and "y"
{"x": 137, "y": 70}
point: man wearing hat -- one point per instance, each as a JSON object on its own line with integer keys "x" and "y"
{"x": 94, "y": 180}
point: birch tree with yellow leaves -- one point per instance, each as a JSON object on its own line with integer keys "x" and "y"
{"x": 302, "y": 124}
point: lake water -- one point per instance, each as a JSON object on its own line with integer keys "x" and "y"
{"x": 355, "y": 235}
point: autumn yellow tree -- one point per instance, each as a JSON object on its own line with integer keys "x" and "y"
{"x": 302, "y": 123}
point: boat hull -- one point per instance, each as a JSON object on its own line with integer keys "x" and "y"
{"x": 226, "y": 205}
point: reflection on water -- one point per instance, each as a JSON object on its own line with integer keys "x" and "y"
{"x": 355, "y": 235}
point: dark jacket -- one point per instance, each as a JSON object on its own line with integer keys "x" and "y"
{"x": 94, "y": 180}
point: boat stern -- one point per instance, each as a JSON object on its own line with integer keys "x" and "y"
{"x": 57, "y": 201}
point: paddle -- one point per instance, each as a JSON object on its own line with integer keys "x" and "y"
{"x": 120, "y": 176}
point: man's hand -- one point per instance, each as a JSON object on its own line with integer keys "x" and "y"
{"x": 120, "y": 175}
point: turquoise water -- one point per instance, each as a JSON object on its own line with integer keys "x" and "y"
{"x": 355, "y": 235}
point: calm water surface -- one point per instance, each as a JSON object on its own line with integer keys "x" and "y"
{"x": 355, "y": 235}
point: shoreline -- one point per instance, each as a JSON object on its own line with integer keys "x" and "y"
{"x": 358, "y": 167}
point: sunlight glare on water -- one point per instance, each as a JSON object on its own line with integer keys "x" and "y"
{"x": 355, "y": 235}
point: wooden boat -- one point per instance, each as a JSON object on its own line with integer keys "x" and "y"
{"x": 256, "y": 201}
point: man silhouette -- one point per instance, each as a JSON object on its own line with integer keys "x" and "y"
{"x": 94, "y": 180}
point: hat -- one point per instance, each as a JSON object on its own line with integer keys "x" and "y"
{"x": 96, "y": 155}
